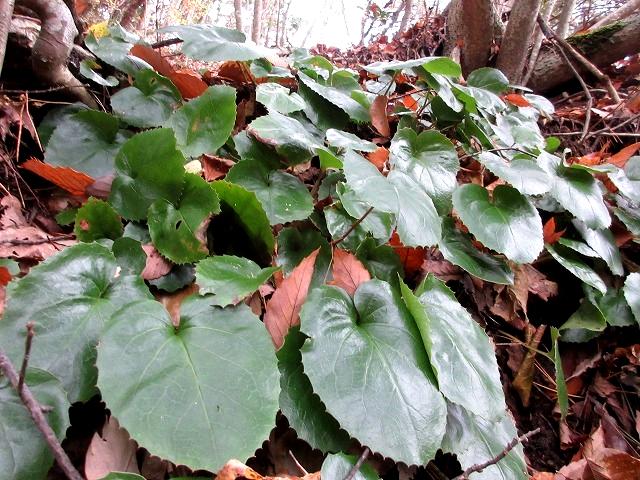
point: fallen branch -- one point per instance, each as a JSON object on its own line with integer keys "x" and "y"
{"x": 352, "y": 227}
{"x": 356, "y": 467}
{"x": 567, "y": 47}
{"x": 166, "y": 43}
{"x": 27, "y": 353}
{"x": 37, "y": 414}
{"x": 479, "y": 467}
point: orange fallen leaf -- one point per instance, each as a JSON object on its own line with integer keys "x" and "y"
{"x": 112, "y": 451}
{"x": 5, "y": 276}
{"x": 411, "y": 258}
{"x": 234, "y": 469}
{"x": 379, "y": 157}
{"x": 620, "y": 159}
{"x": 153, "y": 58}
{"x": 66, "y": 178}
{"x": 590, "y": 159}
{"x": 214, "y": 167}
{"x": 517, "y": 100}
{"x": 283, "y": 310}
{"x": 379, "y": 117}
{"x": 410, "y": 102}
{"x": 549, "y": 232}
{"x": 348, "y": 271}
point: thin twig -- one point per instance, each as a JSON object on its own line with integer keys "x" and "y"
{"x": 39, "y": 241}
{"x": 505, "y": 149}
{"x": 351, "y": 228}
{"x": 605, "y": 134}
{"x": 356, "y": 467}
{"x": 300, "y": 467}
{"x": 35, "y": 410}
{"x": 166, "y": 43}
{"x": 27, "y": 353}
{"x": 587, "y": 93}
{"x": 477, "y": 468}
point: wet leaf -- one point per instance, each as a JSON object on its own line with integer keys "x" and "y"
{"x": 348, "y": 273}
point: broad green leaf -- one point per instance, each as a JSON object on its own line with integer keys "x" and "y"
{"x": 11, "y": 266}
{"x": 523, "y": 174}
{"x": 430, "y": 159}
{"x": 68, "y": 297}
{"x": 340, "y": 139}
{"x": 628, "y": 179}
{"x": 250, "y": 148}
{"x": 369, "y": 184}
{"x": 149, "y": 167}
{"x": 122, "y": 476}
{"x": 97, "y": 219}
{"x": 284, "y": 197}
{"x": 24, "y": 454}
{"x": 294, "y": 245}
{"x": 339, "y": 96}
{"x": 629, "y": 214}
{"x": 278, "y": 98}
{"x": 287, "y": 134}
{"x": 263, "y": 68}
{"x": 482, "y": 101}
{"x": 87, "y": 141}
{"x": 230, "y": 278}
{"x": 508, "y": 223}
{"x": 379, "y": 224}
{"x": 490, "y": 79}
{"x": 178, "y": 229}
{"x": 440, "y": 65}
{"x": 602, "y": 242}
{"x": 88, "y": 70}
{"x": 304, "y": 410}
{"x": 382, "y": 363}
{"x": 114, "y": 48}
{"x": 561, "y": 385}
{"x": 328, "y": 159}
{"x": 475, "y": 440}
{"x": 574, "y": 263}
{"x": 577, "y": 191}
{"x": 204, "y": 124}
{"x": 512, "y": 129}
{"x": 457, "y": 248}
{"x": 615, "y": 308}
{"x": 242, "y": 219}
{"x": 579, "y": 247}
{"x": 460, "y": 352}
{"x": 631, "y": 293}
{"x": 67, "y": 216}
{"x": 321, "y": 112}
{"x": 339, "y": 466}
{"x": 545, "y": 107}
{"x": 149, "y": 102}
{"x": 129, "y": 255}
{"x": 216, "y": 44}
{"x": 164, "y": 383}
{"x": 584, "y": 324}
{"x": 179, "y": 277}
{"x": 339, "y": 222}
{"x": 56, "y": 116}
{"x": 382, "y": 261}
{"x": 443, "y": 88}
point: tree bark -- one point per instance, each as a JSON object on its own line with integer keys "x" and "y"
{"x": 545, "y": 12}
{"x": 131, "y": 18}
{"x": 515, "y": 43}
{"x": 257, "y": 20}
{"x": 6, "y": 10}
{"x": 473, "y": 25}
{"x": 562, "y": 29}
{"x": 237, "y": 10}
{"x": 408, "y": 5}
{"x": 602, "y": 47}
{"x": 622, "y": 12}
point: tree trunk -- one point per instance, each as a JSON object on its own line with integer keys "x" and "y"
{"x": 6, "y": 10}
{"x": 602, "y": 47}
{"x": 547, "y": 8}
{"x": 130, "y": 17}
{"x": 257, "y": 20}
{"x": 473, "y": 25}
{"x": 562, "y": 29}
{"x": 237, "y": 9}
{"x": 408, "y": 5}
{"x": 515, "y": 43}
{"x": 622, "y": 12}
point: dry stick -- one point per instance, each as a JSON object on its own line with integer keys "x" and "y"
{"x": 510, "y": 446}
{"x": 587, "y": 93}
{"x": 352, "y": 227}
{"x": 300, "y": 467}
{"x": 595, "y": 71}
{"x": 36, "y": 412}
{"x": 356, "y": 467}
{"x": 166, "y": 43}
{"x": 27, "y": 354}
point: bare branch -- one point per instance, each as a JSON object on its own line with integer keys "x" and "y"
{"x": 356, "y": 467}
{"x": 27, "y": 353}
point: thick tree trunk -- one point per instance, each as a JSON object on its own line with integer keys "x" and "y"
{"x": 473, "y": 25}
{"x": 515, "y": 43}
{"x": 602, "y": 47}
{"x": 132, "y": 13}
{"x": 545, "y": 12}
{"x": 562, "y": 29}
{"x": 257, "y": 20}
{"x": 622, "y": 12}
{"x": 408, "y": 5}
{"x": 237, "y": 10}
{"x": 6, "y": 10}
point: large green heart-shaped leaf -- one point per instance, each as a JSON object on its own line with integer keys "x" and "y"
{"x": 242, "y": 213}
{"x": 149, "y": 102}
{"x": 283, "y": 196}
{"x": 382, "y": 363}
{"x": 440, "y": 65}
{"x": 381, "y": 260}
{"x": 287, "y": 134}
{"x": 369, "y": 184}
{"x": 490, "y": 79}
{"x": 321, "y": 112}
{"x": 475, "y": 440}
{"x": 523, "y": 174}
{"x": 603, "y": 243}
{"x": 574, "y": 263}
{"x": 87, "y": 141}
{"x": 628, "y": 179}
{"x": 340, "y": 139}
{"x": 632, "y": 293}
{"x": 97, "y": 219}
{"x": 340, "y": 223}
{"x": 277, "y": 97}
{"x": 230, "y": 278}
{"x": 577, "y": 191}
{"x": 294, "y": 245}
{"x": 24, "y": 453}
{"x": 86, "y": 288}
{"x": 185, "y": 392}
{"x": 339, "y": 94}
{"x": 430, "y": 159}
{"x": 216, "y": 44}
{"x": 204, "y": 124}
{"x": 178, "y": 230}
{"x": 461, "y": 354}
{"x": 508, "y": 223}
{"x": 304, "y": 410}
{"x": 149, "y": 167}
{"x": 114, "y": 48}
{"x": 457, "y": 248}
{"x": 379, "y": 224}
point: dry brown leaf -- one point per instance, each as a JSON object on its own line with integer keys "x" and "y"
{"x": 620, "y": 159}
{"x": 283, "y": 310}
{"x": 112, "y": 451}
{"x": 66, "y": 178}
{"x": 153, "y": 58}
{"x": 543, "y": 476}
{"x": 173, "y": 301}
{"x": 379, "y": 117}
{"x": 517, "y": 100}
{"x": 379, "y": 157}
{"x": 214, "y": 167}
{"x": 578, "y": 470}
{"x": 234, "y": 469}
{"x": 410, "y": 257}
{"x": 348, "y": 272}
{"x": 609, "y": 463}
{"x": 156, "y": 266}
{"x": 523, "y": 380}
